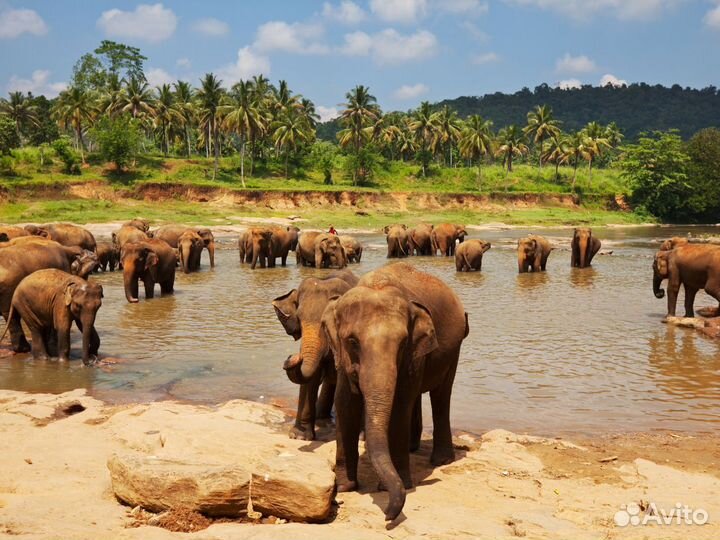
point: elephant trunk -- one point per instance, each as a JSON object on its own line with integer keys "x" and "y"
{"x": 255, "y": 255}
{"x": 582, "y": 263}
{"x": 211, "y": 251}
{"x": 131, "y": 283}
{"x": 185, "y": 259}
{"x": 88, "y": 323}
{"x": 303, "y": 367}
{"x": 657, "y": 281}
{"x": 521, "y": 262}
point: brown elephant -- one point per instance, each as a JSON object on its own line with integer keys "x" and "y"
{"x": 255, "y": 245}
{"x": 584, "y": 246}
{"x": 445, "y": 236}
{"x": 108, "y": 256}
{"x": 8, "y": 233}
{"x": 282, "y": 242}
{"x": 152, "y": 261}
{"x": 398, "y": 245}
{"x": 694, "y": 266}
{"x": 321, "y": 250}
{"x": 25, "y": 255}
{"x": 67, "y": 234}
{"x": 208, "y": 239}
{"x": 294, "y": 237}
{"x": 128, "y": 233}
{"x": 140, "y": 224}
{"x": 353, "y": 248}
{"x": 395, "y": 335}
{"x": 169, "y": 233}
{"x": 533, "y": 253}
{"x": 49, "y": 301}
{"x": 469, "y": 255}
{"x": 300, "y": 312}
{"x": 420, "y": 239}
{"x": 189, "y": 250}
{"x": 672, "y": 243}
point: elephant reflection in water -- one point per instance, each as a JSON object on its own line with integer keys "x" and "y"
{"x": 583, "y": 279}
{"x": 531, "y": 280}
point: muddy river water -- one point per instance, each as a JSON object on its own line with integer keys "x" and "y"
{"x": 566, "y": 351}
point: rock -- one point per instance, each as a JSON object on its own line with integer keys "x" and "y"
{"x": 686, "y": 322}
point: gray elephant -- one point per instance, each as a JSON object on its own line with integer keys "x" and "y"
{"x": 533, "y": 253}
{"x": 420, "y": 239}
{"x": 469, "y": 255}
{"x": 584, "y": 246}
{"x": 398, "y": 245}
{"x": 321, "y": 250}
{"x": 353, "y": 248}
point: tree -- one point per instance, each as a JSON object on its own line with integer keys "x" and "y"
{"x": 555, "y": 153}
{"x": 243, "y": 117}
{"x": 422, "y": 126}
{"x": 359, "y": 114}
{"x": 184, "y": 102}
{"x": 704, "y": 174}
{"x": 118, "y": 139}
{"x": 595, "y": 141}
{"x": 165, "y": 114}
{"x": 21, "y": 111}
{"x": 476, "y": 140}
{"x": 657, "y": 169}
{"x": 46, "y": 129}
{"x": 63, "y": 149}
{"x": 210, "y": 98}
{"x": 137, "y": 99}
{"x": 75, "y": 107}
{"x": 8, "y": 136}
{"x": 122, "y": 60}
{"x": 446, "y": 132}
{"x": 540, "y": 126}
{"x": 511, "y": 144}
{"x": 289, "y": 131}
{"x": 575, "y": 148}
{"x": 323, "y": 154}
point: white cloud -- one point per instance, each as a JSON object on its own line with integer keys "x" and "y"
{"x": 248, "y": 64}
{"x": 211, "y": 27}
{"x": 391, "y": 47}
{"x": 296, "y": 38}
{"x": 327, "y": 113}
{"x": 15, "y": 22}
{"x": 39, "y": 84}
{"x": 569, "y": 84}
{"x": 402, "y": 11}
{"x": 474, "y": 31}
{"x": 574, "y": 64}
{"x": 712, "y": 18}
{"x": 347, "y": 12}
{"x": 410, "y": 91}
{"x": 465, "y": 7}
{"x": 587, "y": 9}
{"x": 612, "y": 80}
{"x": 183, "y": 63}
{"x": 151, "y": 23}
{"x": 485, "y": 58}
{"x": 158, "y": 77}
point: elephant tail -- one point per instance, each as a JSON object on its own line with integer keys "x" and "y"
{"x": 7, "y": 324}
{"x": 467, "y": 262}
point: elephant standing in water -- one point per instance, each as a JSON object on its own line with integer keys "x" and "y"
{"x": 208, "y": 239}
{"x": 321, "y": 250}
{"x": 533, "y": 253}
{"x": 395, "y": 335}
{"x": 284, "y": 240}
{"x": 108, "y": 256}
{"x": 353, "y": 248}
{"x": 49, "y": 301}
{"x": 255, "y": 244}
{"x": 695, "y": 267}
{"x": 420, "y": 240}
{"x": 152, "y": 261}
{"x": 189, "y": 248}
{"x": 584, "y": 247}
{"x": 300, "y": 312}
{"x": 445, "y": 236}
{"x": 398, "y": 245}
{"x": 128, "y": 233}
{"x": 469, "y": 255}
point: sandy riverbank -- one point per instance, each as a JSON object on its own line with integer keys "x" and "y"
{"x": 54, "y": 481}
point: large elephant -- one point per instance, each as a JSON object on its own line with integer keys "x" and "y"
{"x": 395, "y": 335}
{"x": 398, "y": 245}
{"x": 353, "y": 248}
{"x": 445, "y": 236}
{"x": 469, "y": 255}
{"x": 189, "y": 248}
{"x": 208, "y": 239}
{"x": 255, "y": 244}
{"x": 300, "y": 312}
{"x": 694, "y": 266}
{"x": 584, "y": 246}
{"x": 8, "y": 233}
{"x": 169, "y": 233}
{"x": 25, "y": 255}
{"x": 152, "y": 261}
{"x": 68, "y": 234}
{"x": 420, "y": 239}
{"x": 108, "y": 256}
{"x": 294, "y": 236}
{"x": 533, "y": 253}
{"x": 282, "y": 242}
{"x": 49, "y": 301}
{"x": 321, "y": 250}
{"x": 128, "y": 233}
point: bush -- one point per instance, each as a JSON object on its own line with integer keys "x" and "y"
{"x": 322, "y": 156}
{"x": 8, "y": 136}
{"x": 361, "y": 166}
{"x": 7, "y": 166}
{"x": 67, "y": 154}
{"x": 118, "y": 140}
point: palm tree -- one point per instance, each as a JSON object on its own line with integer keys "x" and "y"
{"x": 308, "y": 109}
{"x": 112, "y": 95}
{"x": 407, "y": 145}
{"x": 20, "y": 110}
{"x": 243, "y": 116}
{"x": 166, "y": 115}
{"x": 289, "y": 130}
{"x": 541, "y": 126}
{"x": 511, "y": 144}
{"x": 613, "y": 135}
{"x": 360, "y": 111}
{"x": 184, "y": 103}
{"x": 388, "y": 133}
{"x": 554, "y": 154}
{"x": 210, "y": 98}
{"x": 423, "y": 126}
{"x": 595, "y": 141}
{"x": 75, "y": 107}
{"x": 283, "y": 100}
{"x": 575, "y": 149}
{"x": 476, "y": 140}
{"x": 447, "y": 130}
{"x": 137, "y": 99}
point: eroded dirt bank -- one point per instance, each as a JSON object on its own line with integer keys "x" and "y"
{"x": 54, "y": 481}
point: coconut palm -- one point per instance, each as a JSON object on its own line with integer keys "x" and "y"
{"x": 210, "y": 98}
{"x": 76, "y": 108}
{"x": 283, "y": 100}
{"x": 308, "y": 109}
{"x": 596, "y": 142}
{"x": 406, "y": 143}
{"x": 476, "y": 140}
{"x": 423, "y": 127}
{"x": 555, "y": 153}
{"x": 541, "y": 126}
{"x": 137, "y": 99}
{"x": 446, "y": 133}
{"x": 613, "y": 135}
{"x": 360, "y": 111}
{"x": 289, "y": 131}
{"x": 243, "y": 117}
{"x": 575, "y": 149}
{"x": 184, "y": 104}
{"x": 111, "y": 96}
{"x": 21, "y": 111}
{"x": 166, "y": 116}
{"x": 511, "y": 144}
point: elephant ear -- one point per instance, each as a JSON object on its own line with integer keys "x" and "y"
{"x": 386, "y": 229}
{"x": 151, "y": 259}
{"x": 69, "y": 293}
{"x": 423, "y": 334}
{"x": 286, "y": 310}
{"x": 662, "y": 263}
{"x": 328, "y": 325}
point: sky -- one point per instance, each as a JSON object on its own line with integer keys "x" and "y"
{"x": 406, "y": 51}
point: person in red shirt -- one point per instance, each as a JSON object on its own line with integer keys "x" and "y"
{"x": 332, "y": 230}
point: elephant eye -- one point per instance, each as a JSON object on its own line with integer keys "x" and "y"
{"x": 353, "y": 343}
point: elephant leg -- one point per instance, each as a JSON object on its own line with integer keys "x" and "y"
{"x": 348, "y": 407}
{"x": 690, "y": 301}
{"x": 712, "y": 287}
{"x": 94, "y": 338}
{"x": 325, "y": 400}
{"x": 283, "y": 260}
{"x": 573, "y": 256}
{"x": 39, "y": 351}
{"x": 416, "y": 426}
{"x": 672, "y": 294}
{"x": 304, "y": 428}
{"x": 400, "y": 434}
{"x": 443, "y": 451}
{"x": 63, "y": 335}
{"x": 543, "y": 261}
{"x": 168, "y": 286}
{"x": 17, "y": 336}
{"x": 51, "y": 341}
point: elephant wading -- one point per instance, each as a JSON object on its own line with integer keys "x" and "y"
{"x": 284, "y": 239}
{"x": 128, "y": 233}
{"x": 321, "y": 250}
{"x": 353, "y": 248}
{"x": 67, "y": 235}
{"x": 533, "y": 253}
{"x": 152, "y": 261}
{"x": 208, "y": 239}
{"x": 49, "y": 301}
{"x": 398, "y": 245}
{"x": 584, "y": 247}
{"x": 695, "y": 267}
{"x": 255, "y": 244}
{"x": 108, "y": 256}
{"x": 395, "y": 335}
{"x": 469, "y": 255}
{"x": 420, "y": 239}
{"x": 300, "y": 312}
{"x": 190, "y": 247}
{"x": 445, "y": 236}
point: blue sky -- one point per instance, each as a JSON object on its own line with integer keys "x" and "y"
{"x": 405, "y": 50}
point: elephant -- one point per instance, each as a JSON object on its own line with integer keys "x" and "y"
{"x": 140, "y": 224}
{"x": 353, "y": 248}
{"x": 49, "y": 301}
{"x": 420, "y": 238}
{"x": 533, "y": 253}
{"x": 294, "y": 236}
{"x": 321, "y": 250}
{"x": 672, "y": 243}
{"x": 108, "y": 256}
{"x": 244, "y": 249}
{"x": 169, "y": 233}
{"x": 282, "y": 241}
{"x": 469, "y": 255}
{"x": 25, "y": 255}
{"x": 152, "y": 261}
{"x": 584, "y": 247}
{"x": 208, "y": 239}
{"x": 395, "y": 335}
{"x": 189, "y": 249}
{"x": 445, "y": 236}
{"x": 300, "y": 312}
{"x": 8, "y": 233}
{"x": 255, "y": 244}
{"x": 67, "y": 235}
{"x": 128, "y": 233}
{"x": 695, "y": 266}
{"x": 397, "y": 241}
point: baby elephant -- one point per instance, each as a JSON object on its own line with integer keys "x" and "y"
{"x": 469, "y": 255}
{"x": 533, "y": 253}
{"x": 108, "y": 256}
{"x": 49, "y": 301}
